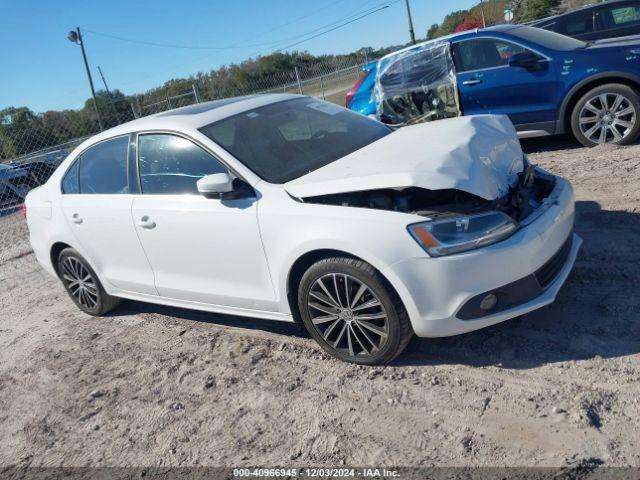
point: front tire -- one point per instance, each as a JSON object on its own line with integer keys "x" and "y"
{"x": 82, "y": 284}
{"x": 352, "y": 312}
{"x": 607, "y": 114}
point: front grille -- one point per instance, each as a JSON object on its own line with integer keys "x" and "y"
{"x": 549, "y": 271}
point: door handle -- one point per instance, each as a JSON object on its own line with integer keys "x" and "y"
{"x": 75, "y": 218}
{"x": 475, "y": 81}
{"x": 146, "y": 222}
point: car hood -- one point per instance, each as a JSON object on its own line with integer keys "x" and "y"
{"x": 478, "y": 154}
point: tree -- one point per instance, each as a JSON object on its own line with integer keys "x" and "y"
{"x": 469, "y": 23}
{"x": 534, "y": 9}
{"x": 431, "y": 33}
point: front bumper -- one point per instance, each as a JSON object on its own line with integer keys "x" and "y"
{"x": 435, "y": 290}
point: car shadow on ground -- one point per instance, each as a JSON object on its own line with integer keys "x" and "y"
{"x": 131, "y": 307}
{"x": 592, "y": 316}
{"x": 549, "y": 143}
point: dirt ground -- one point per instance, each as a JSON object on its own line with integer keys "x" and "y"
{"x": 155, "y": 386}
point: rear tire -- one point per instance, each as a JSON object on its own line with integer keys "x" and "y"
{"x": 607, "y": 114}
{"x": 82, "y": 284}
{"x": 349, "y": 308}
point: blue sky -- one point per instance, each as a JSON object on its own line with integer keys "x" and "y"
{"x": 41, "y": 69}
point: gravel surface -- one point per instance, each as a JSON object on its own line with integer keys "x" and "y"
{"x": 155, "y": 386}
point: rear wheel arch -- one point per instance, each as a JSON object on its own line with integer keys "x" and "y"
{"x": 55, "y": 251}
{"x": 578, "y": 90}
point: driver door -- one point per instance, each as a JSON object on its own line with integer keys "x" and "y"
{"x": 487, "y": 84}
{"x": 203, "y": 250}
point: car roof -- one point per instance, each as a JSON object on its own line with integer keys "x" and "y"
{"x": 590, "y": 6}
{"x": 194, "y": 116}
{"x": 476, "y": 31}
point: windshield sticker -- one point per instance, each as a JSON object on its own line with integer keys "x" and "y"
{"x": 253, "y": 114}
{"x": 325, "y": 108}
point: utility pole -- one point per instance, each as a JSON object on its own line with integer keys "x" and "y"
{"x": 76, "y": 37}
{"x": 484, "y": 24}
{"x": 113, "y": 105}
{"x": 411, "y": 33}
{"x": 104, "y": 81}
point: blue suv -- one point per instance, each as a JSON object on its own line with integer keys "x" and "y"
{"x": 547, "y": 83}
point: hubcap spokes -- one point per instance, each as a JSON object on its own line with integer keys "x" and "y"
{"x": 80, "y": 282}
{"x": 607, "y": 117}
{"x": 347, "y": 314}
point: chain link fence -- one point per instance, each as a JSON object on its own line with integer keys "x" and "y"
{"x": 33, "y": 146}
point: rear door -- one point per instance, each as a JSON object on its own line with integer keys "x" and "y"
{"x": 487, "y": 84}
{"x": 96, "y": 202}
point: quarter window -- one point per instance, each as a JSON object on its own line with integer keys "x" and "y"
{"x": 103, "y": 167}
{"x": 625, "y": 15}
{"x": 484, "y": 53}
{"x": 70, "y": 181}
{"x": 171, "y": 165}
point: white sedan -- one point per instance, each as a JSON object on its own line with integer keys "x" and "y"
{"x": 287, "y": 208}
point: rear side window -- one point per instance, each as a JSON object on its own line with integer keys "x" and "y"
{"x": 576, "y": 24}
{"x": 70, "y": 181}
{"x": 171, "y": 165}
{"x": 103, "y": 167}
{"x": 625, "y": 15}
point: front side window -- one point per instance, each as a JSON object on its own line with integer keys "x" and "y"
{"x": 103, "y": 167}
{"x": 484, "y": 53}
{"x": 172, "y": 165}
{"x": 285, "y": 140}
{"x": 70, "y": 182}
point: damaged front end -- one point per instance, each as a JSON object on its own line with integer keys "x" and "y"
{"x": 466, "y": 177}
{"x": 456, "y": 221}
{"x": 532, "y": 187}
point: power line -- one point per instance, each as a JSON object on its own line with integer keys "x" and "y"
{"x": 165, "y": 45}
{"x": 362, "y": 13}
{"x": 286, "y": 24}
{"x": 337, "y": 27}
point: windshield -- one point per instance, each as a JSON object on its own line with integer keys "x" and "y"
{"x": 547, "y": 39}
{"x": 285, "y": 140}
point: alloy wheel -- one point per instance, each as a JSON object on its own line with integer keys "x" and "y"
{"x": 607, "y": 117}
{"x": 348, "y": 315}
{"x": 80, "y": 283}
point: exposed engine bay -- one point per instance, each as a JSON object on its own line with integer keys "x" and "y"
{"x": 521, "y": 200}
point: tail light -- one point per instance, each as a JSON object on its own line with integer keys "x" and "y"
{"x": 23, "y": 211}
{"x": 354, "y": 89}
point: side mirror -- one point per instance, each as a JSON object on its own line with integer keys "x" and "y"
{"x": 526, "y": 59}
{"x": 215, "y": 185}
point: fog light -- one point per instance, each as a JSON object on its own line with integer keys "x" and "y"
{"x": 488, "y": 302}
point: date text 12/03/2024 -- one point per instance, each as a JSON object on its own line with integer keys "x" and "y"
{"x": 315, "y": 472}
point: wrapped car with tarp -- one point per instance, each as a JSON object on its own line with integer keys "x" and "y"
{"x": 417, "y": 85}
{"x": 546, "y": 83}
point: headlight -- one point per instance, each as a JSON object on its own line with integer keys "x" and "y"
{"x": 458, "y": 234}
